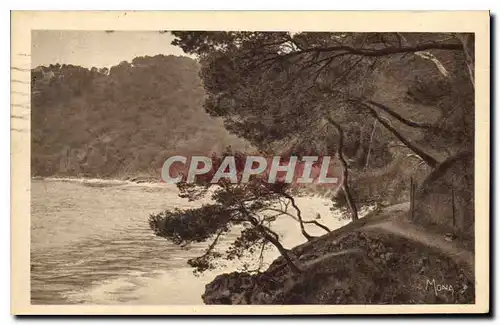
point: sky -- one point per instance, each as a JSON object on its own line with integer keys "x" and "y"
{"x": 97, "y": 48}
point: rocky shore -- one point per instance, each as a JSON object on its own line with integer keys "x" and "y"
{"x": 360, "y": 263}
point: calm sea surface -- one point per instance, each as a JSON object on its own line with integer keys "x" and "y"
{"x": 91, "y": 243}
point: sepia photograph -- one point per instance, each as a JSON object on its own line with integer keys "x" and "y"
{"x": 190, "y": 167}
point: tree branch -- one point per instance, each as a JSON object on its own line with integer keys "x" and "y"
{"x": 325, "y": 228}
{"x": 212, "y": 245}
{"x": 373, "y": 52}
{"x": 305, "y": 221}
{"x": 431, "y": 161}
{"x": 299, "y": 216}
{"x": 401, "y": 118}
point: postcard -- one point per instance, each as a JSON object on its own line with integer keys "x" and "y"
{"x": 250, "y": 162}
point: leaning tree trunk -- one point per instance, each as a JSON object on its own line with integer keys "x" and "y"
{"x": 467, "y": 41}
{"x": 345, "y": 173}
{"x": 431, "y": 161}
{"x": 273, "y": 238}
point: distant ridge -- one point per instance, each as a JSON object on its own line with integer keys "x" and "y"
{"x": 120, "y": 122}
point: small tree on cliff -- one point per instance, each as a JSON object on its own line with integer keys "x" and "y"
{"x": 255, "y": 204}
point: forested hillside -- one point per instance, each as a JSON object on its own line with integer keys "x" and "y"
{"x": 120, "y": 122}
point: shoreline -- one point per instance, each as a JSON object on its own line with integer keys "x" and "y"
{"x": 134, "y": 180}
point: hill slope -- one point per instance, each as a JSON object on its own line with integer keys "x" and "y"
{"x": 120, "y": 122}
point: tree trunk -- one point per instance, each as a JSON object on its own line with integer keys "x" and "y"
{"x": 273, "y": 238}
{"x": 400, "y": 118}
{"x": 467, "y": 41}
{"x": 431, "y": 161}
{"x": 370, "y": 144}
{"x": 345, "y": 174}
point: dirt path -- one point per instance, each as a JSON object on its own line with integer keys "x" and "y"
{"x": 403, "y": 228}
